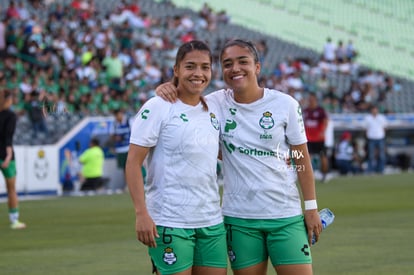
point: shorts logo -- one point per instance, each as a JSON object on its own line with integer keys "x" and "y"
{"x": 231, "y": 254}
{"x": 305, "y": 250}
{"x": 169, "y": 256}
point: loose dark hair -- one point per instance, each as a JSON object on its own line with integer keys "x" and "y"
{"x": 194, "y": 45}
{"x": 244, "y": 44}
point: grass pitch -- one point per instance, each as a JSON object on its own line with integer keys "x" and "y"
{"x": 372, "y": 233}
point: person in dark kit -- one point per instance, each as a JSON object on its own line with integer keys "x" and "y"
{"x": 8, "y": 121}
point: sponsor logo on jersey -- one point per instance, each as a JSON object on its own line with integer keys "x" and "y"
{"x": 278, "y": 153}
{"x": 230, "y": 147}
{"x": 144, "y": 114}
{"x": 247, "y": 151}
{"x": 230, "y": 125}
{"x": 184, "y": 117}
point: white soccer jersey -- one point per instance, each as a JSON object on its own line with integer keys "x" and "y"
{"x": 181, "y": 189}
{"x": 258, "y": 184}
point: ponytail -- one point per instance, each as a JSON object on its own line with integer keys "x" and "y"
{"x": 174, "y": 81}
{"x": 203, "y": 101}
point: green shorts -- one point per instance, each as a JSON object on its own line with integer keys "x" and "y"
{"x": 121, "y": 159}
{"x": 179, "y": 249}
{"x": 10, "y": 171}
{"x": 252, "y": 241}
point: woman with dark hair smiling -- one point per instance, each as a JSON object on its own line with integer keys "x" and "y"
{"x": 179, "y": 216}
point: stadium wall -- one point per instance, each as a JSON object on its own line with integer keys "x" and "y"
{"x": 45, "y": 169}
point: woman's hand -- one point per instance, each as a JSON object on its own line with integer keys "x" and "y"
{"x": 313, "y": 224}
{"x": 146, "y": 230}
{"x": 167, "y": 91}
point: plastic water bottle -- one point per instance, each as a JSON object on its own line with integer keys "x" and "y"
{"x": 327, "y": 217}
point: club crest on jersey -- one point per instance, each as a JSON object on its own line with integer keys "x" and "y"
{"x": 169, "y": 256}
{"x": 214, "y": 121}
{"x": 266, "y": 122}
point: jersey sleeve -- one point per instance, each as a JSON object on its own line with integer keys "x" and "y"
{"x": 295, "y": 127}
{"x": 148, "y": 122}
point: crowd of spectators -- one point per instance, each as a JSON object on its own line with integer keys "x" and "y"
{"x": 76, "y": 58}
{"x": 360, "y": 87}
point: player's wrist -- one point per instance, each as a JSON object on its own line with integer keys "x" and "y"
{"x": 311, "y": 205}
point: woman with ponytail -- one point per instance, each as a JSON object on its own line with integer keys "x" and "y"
{"x": 178, "y": 214}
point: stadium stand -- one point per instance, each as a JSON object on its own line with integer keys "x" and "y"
{"x": 54, "y": 41}
{"x": 381, "y": 29}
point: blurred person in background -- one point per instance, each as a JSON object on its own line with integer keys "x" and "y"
{"x": 92, "y": 161}
{"x": 329, "y": 49}
{"x": 316, "y": 121}
{"x": 375, "y": 126}
{"x": 34, "y": 107}
{"x": 120, "y": 138}
{"x": 7, "y": 157}
{"x": 114, "y": 70}
{"x": 345, "y": 155}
